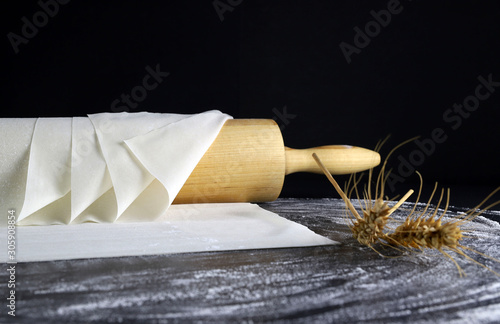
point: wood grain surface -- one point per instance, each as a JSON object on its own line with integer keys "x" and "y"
{"x": 245, "y": 163}
{"x": 344, "y": 283}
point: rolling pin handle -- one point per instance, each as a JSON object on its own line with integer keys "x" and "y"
{"x": 338, "y": 159}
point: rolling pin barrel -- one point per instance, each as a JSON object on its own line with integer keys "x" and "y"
{"x": 248, "y": 162}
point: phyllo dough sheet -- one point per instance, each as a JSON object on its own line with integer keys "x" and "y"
{"x": 103, "y": 185}
{"x": 100, "y": 168}
{"x": 183, "y": 228}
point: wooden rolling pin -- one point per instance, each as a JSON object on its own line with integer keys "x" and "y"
{"x": 248, "y": 162}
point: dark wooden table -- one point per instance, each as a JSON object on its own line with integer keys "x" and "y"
{"x": 343, "y": 283}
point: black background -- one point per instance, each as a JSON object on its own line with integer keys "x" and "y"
{"x": 263, "y": 56}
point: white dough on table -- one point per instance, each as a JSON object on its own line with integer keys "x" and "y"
{"x": 183, "y": 228}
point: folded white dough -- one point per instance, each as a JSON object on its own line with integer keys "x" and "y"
{"x": 109, "y": 166}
